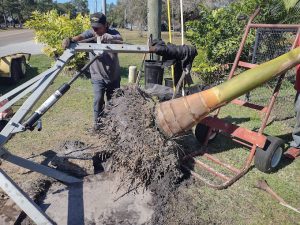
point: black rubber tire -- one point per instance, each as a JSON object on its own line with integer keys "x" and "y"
{"x": 15, "y": 71}
{"x": 263, "y": 159}
{"x": 2, "y": 124}
{"x": 200, "y": 132}
{"x": 22, "y": 62}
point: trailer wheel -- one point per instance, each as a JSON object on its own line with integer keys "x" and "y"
{"x": 15, "y": 71}
{"x": 200, "y": 131}
{"x": 268, "y": 158}
{"x": 2, "y": 124}
{"x": 22, "y": 62}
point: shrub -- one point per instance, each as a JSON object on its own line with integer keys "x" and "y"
{"x": 51, "y": 28}
{"x": 218, "y": 32}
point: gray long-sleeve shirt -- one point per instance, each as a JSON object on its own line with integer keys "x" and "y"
{"x": 107, "y": 67}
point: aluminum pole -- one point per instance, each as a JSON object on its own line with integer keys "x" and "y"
{"x": 95, "y": 4}
{"x": 154, "y": 18}
{"x": 104, "y": 7}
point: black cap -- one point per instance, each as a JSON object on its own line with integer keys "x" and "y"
{"x": 97, "y": 19}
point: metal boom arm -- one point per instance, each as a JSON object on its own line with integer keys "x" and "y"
{"x": 37, "y": 87}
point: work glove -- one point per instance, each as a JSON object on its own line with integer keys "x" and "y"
{"x": 106, "y": 38}
{"x": 66, "y": 43}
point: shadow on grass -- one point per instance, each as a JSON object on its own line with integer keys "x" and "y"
{"x": 284, "y": 160}
{"x": 222, "y": 143}
{"x": 203, "y": 169}
{"x": 236, "y": 121}
{"x": 30, "y": 73}
{"x": 124, "y": 72}
{"x": 286, "y": 137}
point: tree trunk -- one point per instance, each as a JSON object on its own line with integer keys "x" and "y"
{"x": 141, "y": 29}
{"x": 179, "y": 115}
{"x": 5, "y": 21}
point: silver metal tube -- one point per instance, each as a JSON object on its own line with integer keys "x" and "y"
{"x": 104, "y": 7}
{"x": 22, "y": 94}
{"x": 154, "y": 20}
{"x": 118, "y": 48}
{"x": 25, "y": 85}
{"x": 14, "y": 122}
{"x": 22, "y": 200}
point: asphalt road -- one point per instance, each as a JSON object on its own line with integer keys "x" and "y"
{"x": 15, "y": 36}
{"x": 21, "y": 40}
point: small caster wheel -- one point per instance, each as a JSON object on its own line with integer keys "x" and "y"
{"x": 268, "y": 158}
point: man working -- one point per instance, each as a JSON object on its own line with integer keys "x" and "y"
{"x": 294, "y": 150}
{"x": 105, "y": 72}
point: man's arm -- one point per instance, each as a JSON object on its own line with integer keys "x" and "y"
{"x": 117, "y": 37}
{"x": 66, "y": 42}
{"x": 114, "y": 35}
{"x": 77, "y": 38}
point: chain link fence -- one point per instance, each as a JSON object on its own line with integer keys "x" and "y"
{"x": 269, "y": 43}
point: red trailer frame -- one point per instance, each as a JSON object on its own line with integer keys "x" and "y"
{"x": 244, "y": 136}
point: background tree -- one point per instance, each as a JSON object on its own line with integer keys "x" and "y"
{"x": 116, "y": 15}
{"x": 136, "y": 12}
{"x": 65, "y": 8}
{"x": 81, "y": 6}
{"x": 11, "y": 11}
{"x": 27, "y": 7}
{"x": 44, "y": 5}
{"x": 128, "y": 13}
{"x": 218, "y": 32}
{"x": 21, "y": 10}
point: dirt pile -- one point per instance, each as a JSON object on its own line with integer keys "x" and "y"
{"x": 139, "y": 155}
{"x": 134, "y": 144}
{"x": 139, "y": 151}
{"x": 132, "y": 148}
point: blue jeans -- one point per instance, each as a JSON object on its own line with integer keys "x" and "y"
{"x": 296, "y": 132}
{"x": 101, "y": 87}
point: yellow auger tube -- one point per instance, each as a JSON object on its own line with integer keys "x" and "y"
{"x": 179, "y": 115}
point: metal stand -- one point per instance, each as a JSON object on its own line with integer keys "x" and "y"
{"x": 248, "y": 138}
{"x": 37, "y": 86}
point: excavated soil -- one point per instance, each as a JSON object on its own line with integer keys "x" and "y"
{"x": 144, "y": 156}
{"x": 145, "y": 163}
{"x": 131, "y": 139}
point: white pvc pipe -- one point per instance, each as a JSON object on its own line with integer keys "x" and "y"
{"x": 132, "y": 74}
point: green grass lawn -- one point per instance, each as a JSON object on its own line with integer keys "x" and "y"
{"x": 239, "y": 204}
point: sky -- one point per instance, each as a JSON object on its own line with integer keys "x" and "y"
{"x": 92, "y": 4}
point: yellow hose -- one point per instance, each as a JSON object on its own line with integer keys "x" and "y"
{"x": 170, "y": 40}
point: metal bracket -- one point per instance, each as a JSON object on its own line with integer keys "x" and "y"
{"x": 18, "y": 127}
